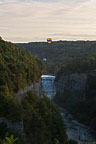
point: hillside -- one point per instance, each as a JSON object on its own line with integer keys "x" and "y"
{"x": 76, "y": 89}
{"x": 41, "y": 121}
{"x": 17, "y": 70}
{"x": 59, "y": 52}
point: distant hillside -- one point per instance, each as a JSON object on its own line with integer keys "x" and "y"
{"x": 59, "y": 52}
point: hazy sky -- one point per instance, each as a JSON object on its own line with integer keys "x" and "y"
{"x": 36, "y": 20}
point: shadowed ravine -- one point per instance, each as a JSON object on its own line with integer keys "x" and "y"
{"x": 75, "y": 130}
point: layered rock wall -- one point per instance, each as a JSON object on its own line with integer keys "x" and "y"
{"x": 73, "y": 83}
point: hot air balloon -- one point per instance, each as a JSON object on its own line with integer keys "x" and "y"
{"x": 49, "y": 40}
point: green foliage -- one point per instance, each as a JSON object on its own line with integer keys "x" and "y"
{"x": 84, "y": 109}
{"x": 78, "y": 65}
{"x": 9, "y": 140}
{"x": 42, "y": 121}
{"x": 94, "y": 142}
{"x": 60, "y": 52}
{"x": 18, "y": 69}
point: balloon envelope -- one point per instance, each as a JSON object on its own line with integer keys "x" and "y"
{"x": 49, "y": 40}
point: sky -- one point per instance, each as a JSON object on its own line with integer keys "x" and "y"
{"x": 37, "y": 20}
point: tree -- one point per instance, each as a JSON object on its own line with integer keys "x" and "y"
{"x": 43, "y": 123}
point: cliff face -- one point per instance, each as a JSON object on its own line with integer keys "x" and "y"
{"x": 77, "y": 93}
{"x": 73, "y": 83}
{"x": 35, "y": 87}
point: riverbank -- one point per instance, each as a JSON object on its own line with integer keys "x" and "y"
{"x": 75, "y": 130}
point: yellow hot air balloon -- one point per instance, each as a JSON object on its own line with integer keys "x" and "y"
{"x": 49, "y": 40}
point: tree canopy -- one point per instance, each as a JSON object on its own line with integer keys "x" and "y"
{"x": 18, "y": 68}
{"x": 60, "y": 52}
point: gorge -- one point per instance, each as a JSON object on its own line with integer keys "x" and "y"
{"x": 75, "y": 130}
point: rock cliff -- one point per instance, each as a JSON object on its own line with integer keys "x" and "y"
{"x": 73, "y": 83}
{"x": 77, "y": 93}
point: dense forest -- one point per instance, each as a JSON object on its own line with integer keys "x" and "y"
{"x": 78, "y": 65}
{"x": 59, "y": 52}
{"x": 42, "y": 121}
{"x": 65, "y": 58}
{"x": 17, "y": 70}
{"x": 84, "y": 108}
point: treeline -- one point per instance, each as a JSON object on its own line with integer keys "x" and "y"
{"x": 59, "y": 52}
{"x": 78, "y": 65}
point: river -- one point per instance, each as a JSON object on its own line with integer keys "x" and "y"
{"x": 75, "y": 130}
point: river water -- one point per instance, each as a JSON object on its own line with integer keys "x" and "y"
{"x": 75, "y": 130}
